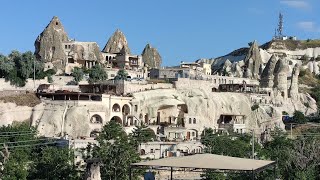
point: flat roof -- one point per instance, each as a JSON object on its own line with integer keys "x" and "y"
{"x": 209, "y": 161}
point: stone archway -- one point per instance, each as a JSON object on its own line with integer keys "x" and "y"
{"x": 125, "y": 110}
{"x": 116, "y": 108}
{"x": 96, "y": 119}
{"x": 94, "y": 133}
{"x": 116, "y": 119}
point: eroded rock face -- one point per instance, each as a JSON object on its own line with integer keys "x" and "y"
{"x": 151, "y": 57}
{"x": 280, "y": 77}
{"x": 85, "y": 51}
{"x": 116, "y": 43}
{"x": 293, "y": 91}
{"x": 253, "y": 60}
{"x": 48, "y": 45}
{"x": 267, "y": 76}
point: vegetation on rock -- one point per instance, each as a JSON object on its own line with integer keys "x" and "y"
{"x": 97, "y": 74}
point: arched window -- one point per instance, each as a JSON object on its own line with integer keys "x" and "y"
{"x": 116, "y": 108}
{"x": 96, "y": 119}
{"x": 190, "y": 120}
{"x": 94, "y": 133}
{"x": 125, "y": 110}
{"x": 117, "y": 119}
{"x": 194, "y": 121}
{"x": 142, "y": 152}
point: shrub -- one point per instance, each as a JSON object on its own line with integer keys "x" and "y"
{"x": 254, "y": 107}
{"x": 298, "y": 117}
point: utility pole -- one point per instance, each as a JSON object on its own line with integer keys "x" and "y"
{"x": 291, "y": 130}
{"x": 252, "y": 143}
{"x": 34, "y": 73}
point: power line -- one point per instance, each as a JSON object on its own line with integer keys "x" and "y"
{"x": 13, "y": 142}
{"x": 10, "y": 135}
{"x": 38, "y": 144}
{"x": 16, "y": 132}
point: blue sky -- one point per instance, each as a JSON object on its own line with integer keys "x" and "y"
{"x": 182, "y": 30}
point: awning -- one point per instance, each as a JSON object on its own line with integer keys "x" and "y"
{"x": 209, "y": 161}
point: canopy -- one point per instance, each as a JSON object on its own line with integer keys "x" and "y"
{"x": 209, "y": 161}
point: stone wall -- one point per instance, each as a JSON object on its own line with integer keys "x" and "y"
{"x": 138, "y": 87}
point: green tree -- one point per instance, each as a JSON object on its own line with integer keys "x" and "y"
{"x": 97, "y": 74}
{"x": 77, "y": 74}
{"x": 54, "y": 163}
{"x": 142, "y": 134}
{"x": 116, "y": 151}
{"x": 6, "y": 66}
{"x": 122, "y": 75}
{"x": 236, "y": 146}
{"x": 298, "y": 117}
{"x": 16, "y": 165}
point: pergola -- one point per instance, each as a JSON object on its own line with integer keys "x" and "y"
{"x": 209, "y": 161}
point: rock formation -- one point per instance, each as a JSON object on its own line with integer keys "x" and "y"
{"x": 253, "y": 60}
{"x": 267, "y": 76}
{"x": 151, "y": 57}
{"x": 48, "y": 45}
{"x": 293, "y": 91}
{"x": 85, "y": 51}
{"x": 280, "y": 77}
{"x": 116, "y": 43}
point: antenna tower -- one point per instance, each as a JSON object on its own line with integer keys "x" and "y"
{"x": 280, "y": 25}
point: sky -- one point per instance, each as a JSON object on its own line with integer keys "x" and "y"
{"x": 181, "y": 30}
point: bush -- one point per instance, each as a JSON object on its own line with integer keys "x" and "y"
{"x": 254, "y": 107}
{"x": 298, "y": 117}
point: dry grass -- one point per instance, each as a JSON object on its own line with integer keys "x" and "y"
{"x": 29, "y": 99}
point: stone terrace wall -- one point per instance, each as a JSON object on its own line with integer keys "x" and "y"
{"x": 208, "y": 82}
{"x": 58, "y": 81}
{"x": 138, "y": 87}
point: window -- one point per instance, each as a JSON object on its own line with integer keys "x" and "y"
{"x": 151, "y": 150}
{"x": 194, "y": 121}
{"x": 112, "y": 75}
{"x": 193, "y": 133}
{"x": 135, "y": 108}
{"x": 66, "y": 46}
{"x": 190, "y": 120}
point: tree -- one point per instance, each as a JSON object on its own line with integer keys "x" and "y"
{"x": 116, "y": 151}
{"x": 298, "y": 117}
{"x": 142, "y": 134}
{"x": 77, "y": 74}
{"x": 122, "y": 75}
{"x": 16, "y": 165}
{"x": 236, "y": 146}
{"x": 5, "y": 66}
{"x": 54, "y": 163}
{"x": 97, "y": 74}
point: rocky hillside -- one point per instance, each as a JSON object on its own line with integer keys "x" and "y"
{"x": 304, "y": 52}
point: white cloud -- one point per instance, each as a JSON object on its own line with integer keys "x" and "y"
{"x": 309, "y": 26}
{"x": 297, "y": 4}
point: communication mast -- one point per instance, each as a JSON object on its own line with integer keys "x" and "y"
{"x": 280, "y": 25}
